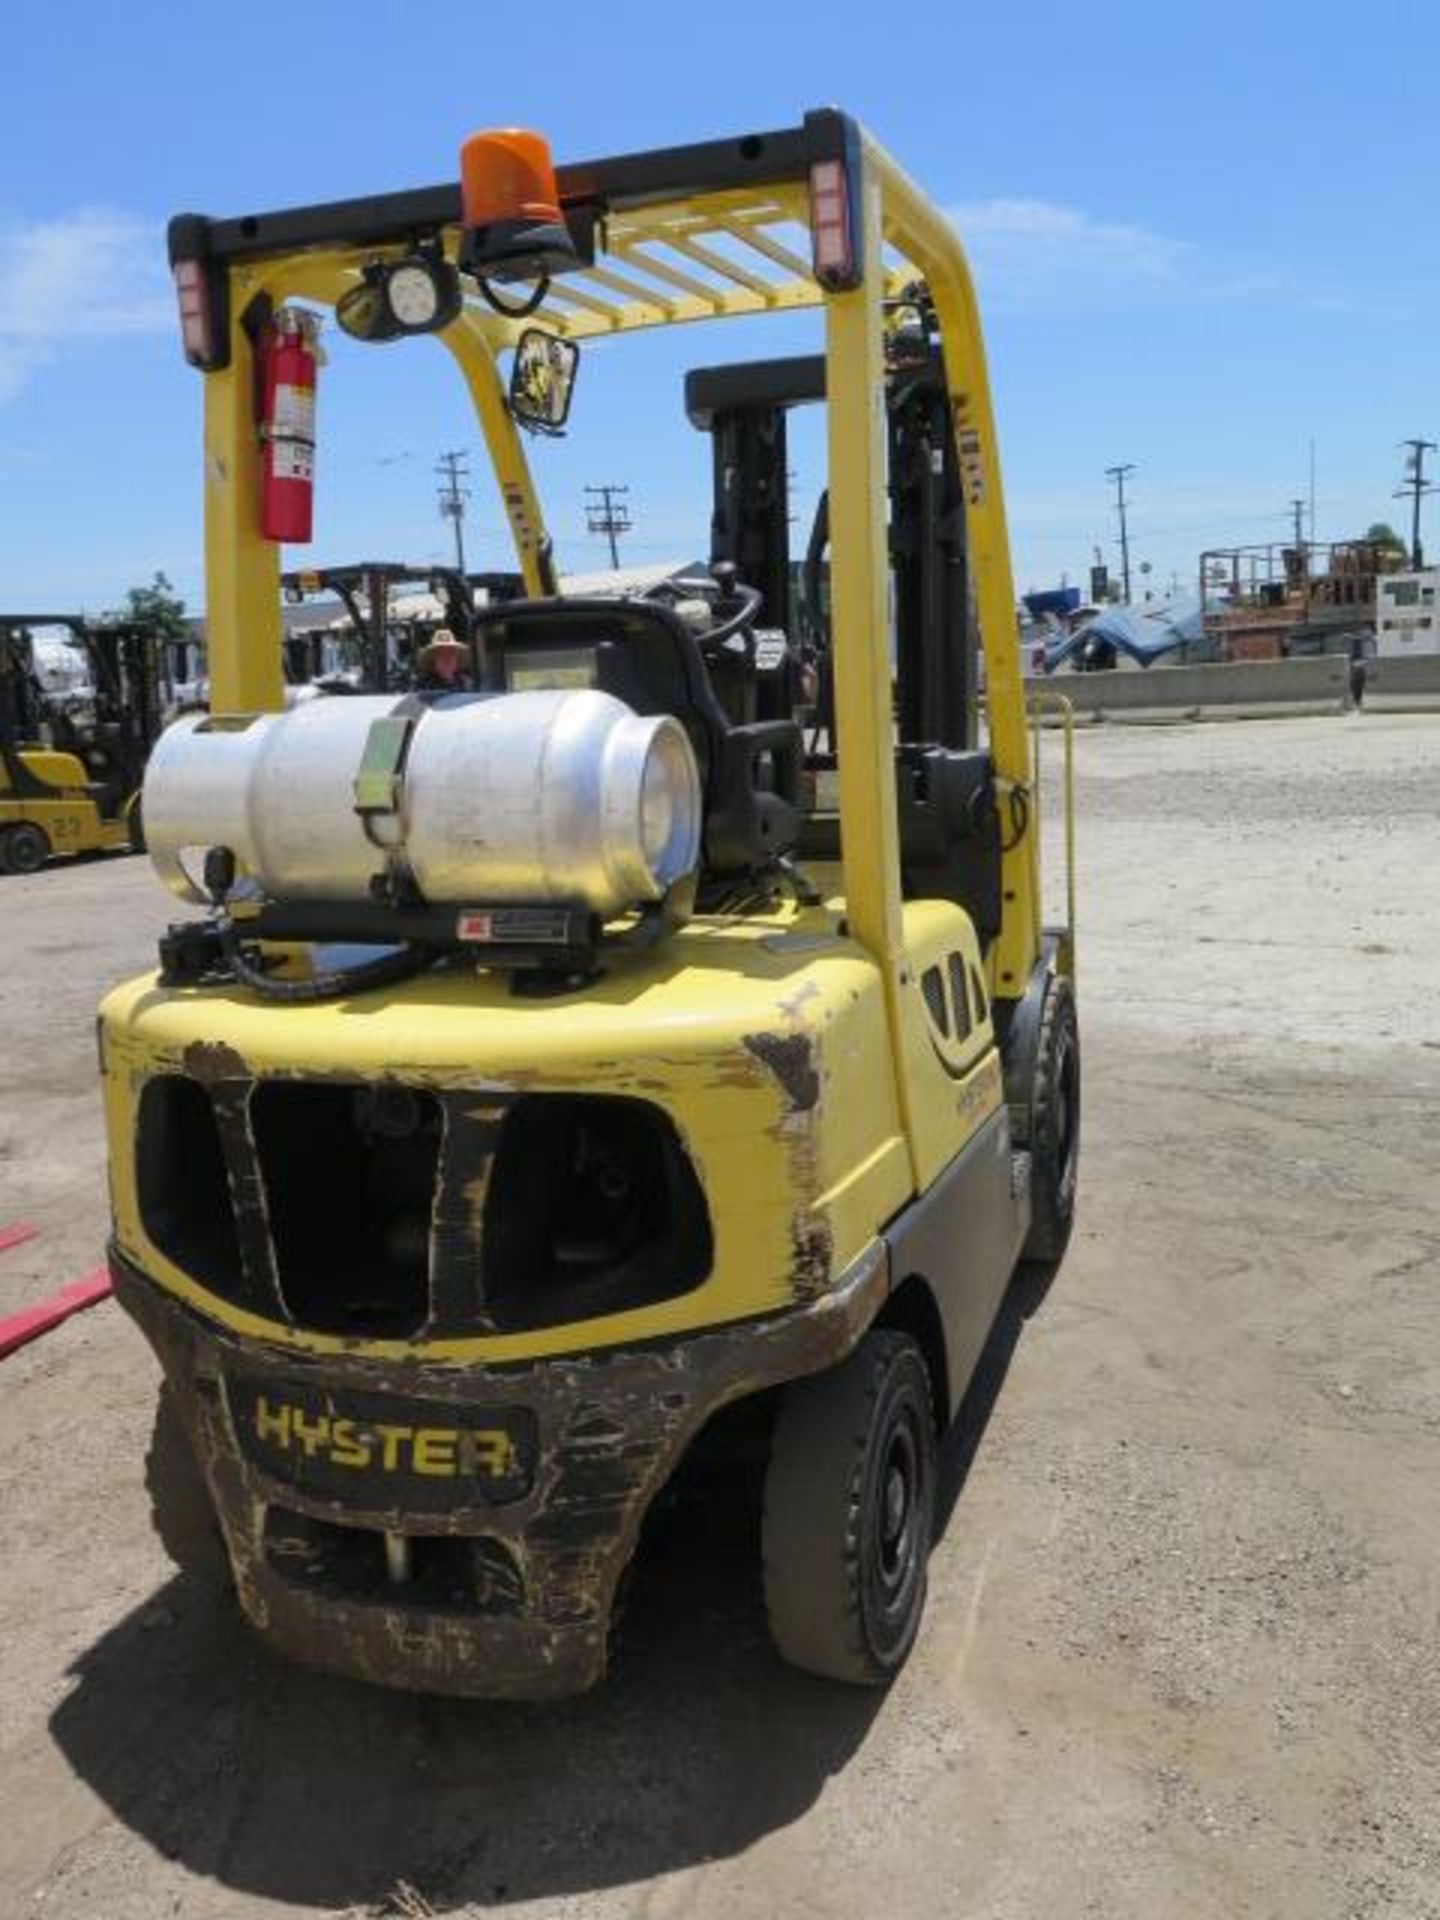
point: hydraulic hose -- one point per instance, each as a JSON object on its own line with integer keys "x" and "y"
{"x": 331, "y": 984}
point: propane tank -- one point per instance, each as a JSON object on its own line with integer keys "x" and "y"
{"x": 539, "y": 797}
{"x": 289, "y": 357}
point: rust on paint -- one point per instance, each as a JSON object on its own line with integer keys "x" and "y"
{"x": 791, "y": 1058}
{"x": 209, "y": 1061}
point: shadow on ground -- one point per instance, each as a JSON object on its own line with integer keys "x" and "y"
{"x": 305, "y": 1789}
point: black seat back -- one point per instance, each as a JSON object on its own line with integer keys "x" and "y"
{"x": 949, "y": 831}
{"x": 645, "y": 654}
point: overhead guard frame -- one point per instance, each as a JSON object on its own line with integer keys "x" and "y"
{"x": 713, "y": 206}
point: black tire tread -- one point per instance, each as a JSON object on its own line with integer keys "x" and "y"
{"x": 1052, "y": 1215}
{"x": 13, "y": 836}
{"x": 811, "y": 1527}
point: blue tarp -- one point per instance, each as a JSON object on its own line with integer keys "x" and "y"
{"x": 1142, "y": 636}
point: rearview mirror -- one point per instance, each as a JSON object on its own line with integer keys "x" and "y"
{"x": 542, "y": 380}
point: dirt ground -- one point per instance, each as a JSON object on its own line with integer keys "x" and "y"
{"x": 1181, "y": 1658}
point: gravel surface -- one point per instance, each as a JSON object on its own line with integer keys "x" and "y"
{"x": 1180, "y": 1661}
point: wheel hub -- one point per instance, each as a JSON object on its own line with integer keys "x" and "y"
{"x": 896, "y": 1509}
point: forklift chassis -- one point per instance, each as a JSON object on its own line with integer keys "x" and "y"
{"x": 448, "y": 1271}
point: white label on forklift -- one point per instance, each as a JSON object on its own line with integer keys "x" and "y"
{"x": 292, "y": 460}
{"x": 294, "y": 413}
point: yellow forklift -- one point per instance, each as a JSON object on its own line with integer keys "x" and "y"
{"x": 71, "y": 766}
{"x": 660, "y": 1040}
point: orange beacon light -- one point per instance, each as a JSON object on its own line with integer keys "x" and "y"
{"x": 514, "y": 228}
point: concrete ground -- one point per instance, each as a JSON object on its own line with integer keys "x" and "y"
{"x": 1181, "y": 1659}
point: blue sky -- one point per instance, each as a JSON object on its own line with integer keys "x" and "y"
{"x": 1202, "y": 235}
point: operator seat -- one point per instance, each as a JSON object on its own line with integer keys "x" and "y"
{"x": 647, "y": 656}
{"x": 949, "y": 831}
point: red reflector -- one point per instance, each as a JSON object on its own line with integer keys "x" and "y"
{"x": 473, "y": 926}
{"x": 832, "y": 253}
{"x": 194, "y": 297}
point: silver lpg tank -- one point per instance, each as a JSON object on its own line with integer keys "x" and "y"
{"x": 510, "y": 798}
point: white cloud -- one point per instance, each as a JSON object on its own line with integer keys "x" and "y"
{"x": 1023, "y": 251}
{"x": 65, "y": 284}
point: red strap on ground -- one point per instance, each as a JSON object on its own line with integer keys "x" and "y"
{"x": 17, "y": 1235}
{"x": 19, "y": 1328}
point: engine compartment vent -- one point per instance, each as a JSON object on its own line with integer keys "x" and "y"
{"x": 593, "y": 1207}
{"x": 375, "y": 1210}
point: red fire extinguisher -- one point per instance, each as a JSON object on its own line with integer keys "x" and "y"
{"x": 289, "y": 355}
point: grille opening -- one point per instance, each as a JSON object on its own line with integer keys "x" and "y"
{"x": 593, "y": 1207}
{"x": 349, "y": 1174}
{"x": 184, "y": 1191}
{"x": 447, "y": 1574}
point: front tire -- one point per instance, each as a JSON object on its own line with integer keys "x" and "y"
{"x": 1055, "y": 1127}
{"x": 24, "y": 848}
{"x": 850, "y": 1512}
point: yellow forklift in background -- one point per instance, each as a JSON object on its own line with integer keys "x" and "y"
{"x": 71, "y": 766}
{"x": 664, "y": 1028}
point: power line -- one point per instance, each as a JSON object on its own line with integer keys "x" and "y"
{"x": 1118, "y": 475}
{"x": 1416, "y": 486}
{"x": 609, "y": 515}
{"x": 451, "y": 471}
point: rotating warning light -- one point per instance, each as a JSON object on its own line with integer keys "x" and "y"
{"x": 514, "y": 228}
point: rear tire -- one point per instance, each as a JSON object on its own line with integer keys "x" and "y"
{"x": 180, "y": 1509}
{"x": 1054, "y": 1127}
{"x": 850, "y": 1513}
{"x": 24, "y": 848}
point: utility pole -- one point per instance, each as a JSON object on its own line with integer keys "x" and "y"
{"x": 1297, "y": 508}
{"x": 1312, "y": 492}
{"x": 1417, "y": 486}
{"x": 451, "y": 472}
{"x": 607, "y": 515}
{"x": 1118, "y": 475}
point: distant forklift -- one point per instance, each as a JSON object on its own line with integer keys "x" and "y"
{"x": 70, "y": 770}
{"x": 385, "y": 639}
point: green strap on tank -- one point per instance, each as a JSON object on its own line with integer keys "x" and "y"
{"x": 380, "y": 776}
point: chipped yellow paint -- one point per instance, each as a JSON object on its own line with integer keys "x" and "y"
{"x": 672, "y": 1027}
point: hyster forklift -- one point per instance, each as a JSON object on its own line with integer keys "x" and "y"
{"x": 70, "y": 779}
{"x": 658, "y": 1040}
